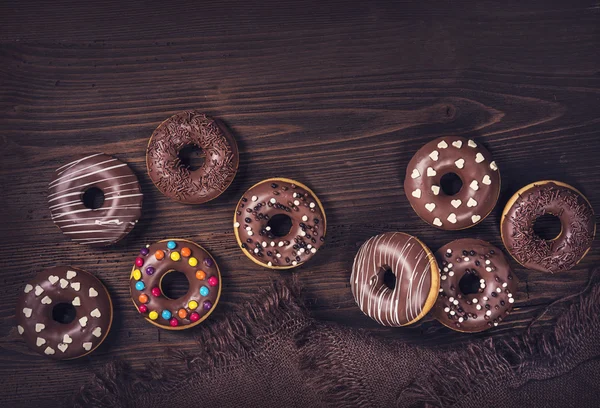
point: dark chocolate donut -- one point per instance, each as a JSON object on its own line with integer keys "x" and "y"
{"x": 179, "y": 181}
{"x": 417, "y": 279}
{"x": 100, "y": 223}
{"x": 548, "y": 197}
{"x": 64, "y": 313}
{"x": 157, "y": 260}
{"x": 477, "y": 286}
{"x": 279, "y": 223}
{"x": 425, "y": 188}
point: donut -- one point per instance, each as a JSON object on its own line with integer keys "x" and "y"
{"x": 64, "y": 313}
{"x": 179, "y": 181}
{"x": 578, "y": 226}
{"x": 477, "y": 286}
{"x": 154, "y": 262}
{"x": 95, "y": 200}
{"x": 279, "y": 223}
{"x": 415, "y": 288}
{"x": 428, "y": 183}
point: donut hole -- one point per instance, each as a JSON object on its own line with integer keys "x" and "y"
{"x": 64, "y": 313}
{"x": 389, "y": 278}
{"x": 93, "y": 198}
{"x": 547, "y": 227}
{"x": 174, "y": 284}
{"x": 191, "y": 157}
{"x": 451, "y": 184}
{"x": 469, "y": 283}
{"x": 280, "y": 224}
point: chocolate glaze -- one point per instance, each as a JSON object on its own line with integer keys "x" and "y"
{"x": 102, "y": 226}
{"x": 475, "y": 167}
{"x": 577, "y": 221}
{"x": 267, "y": 199}
{"x": 176, "y": 181}
{"x": 206, "y": 263}
{"x": 417, "y": 279}
{"x": 473, "y": 312}
{"x": 64, "y": 284}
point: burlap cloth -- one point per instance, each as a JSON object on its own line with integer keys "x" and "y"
{"x": 271, "y": 353}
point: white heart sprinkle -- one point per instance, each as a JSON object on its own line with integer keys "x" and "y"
{"x": 39, "y": 327}
{"x": 436, "y": 221}
{"x": 417, "y": 193}
{"x": 40, "y": 341}
{"x": 76, "y": 286}
{"x": 430, "y": 206}
{"x": 472, "y": 143}
{"x": 452, "y": 218}
{"x": 493, "y": 166}
{"x": 27, "y": 312}
{"x": 254, "y": 198}
{"x": 46, "y": 300}
{"x": 95, "y": 313}
{"x": 93, "y": 292}
{"x": 87, "y": 346}
{"x": 486, "y": 180}
{"x": 431, "y": 172}
{"x": 236, "y": 225}
{"x": 76, "y": 301}
{"x": 67, "y": 339}
{"x": 83, "y": 321}
{"x": 456, "y": 203}
{"x": 474, "y": 185}
{"x": 49, "y": 350}
{"x": 471, "y": 202}
{"x": 64, "y": 283}
{"x": 20, "y": 329}
{"x": 434, "y": 155}
{"x": 442, "y": 144}
{"x": 415, "y": 173}
{"x": 38, "y": 290}
{"x": 479, "y": 158}
{"x": 53, "y": 279}
{"x": 97, "y": 332}
{"x": 475, "y": 218}
{"x": 460, "y": 163}
{"x": 435, "y": 189}
{"x": 457, "y": 144}
{"x": 28, "y": 288}
{"x": 71, "y": 274}
{"x": 63, "y": 347}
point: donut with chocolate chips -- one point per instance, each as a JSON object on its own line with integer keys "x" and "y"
{"x": 578, "y": 226}
{"x": 186, "y": 133}
{"x": 452, "y": 183}
{"x": 395, "y": 279}
{"x": 477, "y": 286}
{"x": 279, "y": 223}
{"x": 156, "y": 261}
{"x": 64, "y": 313}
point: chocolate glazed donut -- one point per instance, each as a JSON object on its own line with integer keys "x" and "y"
{"x": 176, "y": 179}
{"x": 477, "y": 286}
{"x": 95, "y": 200}
{"x": 416, "y": 279}
{"x": 64, "y": 313}
{"x": 279, "y": 223}
{"x": 578, "y": 226}
{"x": 427, "y": 189}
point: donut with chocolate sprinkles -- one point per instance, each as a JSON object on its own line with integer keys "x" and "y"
{"x": 279, "y": 223}
{"x": 477, "y": 286}
{"x": 578, "y": 226}
{"x": 176, "y": 178}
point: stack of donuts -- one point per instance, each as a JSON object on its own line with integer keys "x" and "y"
{"x": 468, "y": 285}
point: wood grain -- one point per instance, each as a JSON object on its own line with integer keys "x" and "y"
{"x": 339, "y": 97}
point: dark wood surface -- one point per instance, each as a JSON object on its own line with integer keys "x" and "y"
{"x": 339, "y": 97}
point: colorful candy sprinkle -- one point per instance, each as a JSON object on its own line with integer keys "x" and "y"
{"x": 204, "y": 291}
{"x": 139, "y": 261}
{"x": 140, "y": 285}
{"x": 166, "y": 314}
{"x": 159, "y": 254}
{"x": 150, "y": 270}
{"x": 173, "y": 322}
{"x": 193, "y": 261}
{"x": 192, "y": 305}
{"x": 175, "y": 256}
{"x": 156, "y": 291}
{"x": 208, "y": 262}
{"x": 153, "y": 315}
{"x": 144, "y": 251}
{"x": 171, "y": 245}
{"x": 194, "y": 317}
{"x": 143, "y": 298}
{"x": 143, "y": 308}
{"x": 200, "y": 275}
{"x": 207, "y": 305}
{"x": 213, "y": 281}
{"x": 182, "y": 313}
{"x": 137, "y": 275}
{"x": 186, "y": 251}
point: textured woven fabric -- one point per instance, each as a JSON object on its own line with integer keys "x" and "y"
{"x": 272, "y": 354}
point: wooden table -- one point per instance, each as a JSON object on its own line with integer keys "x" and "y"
{"x": 339, "y": 97}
